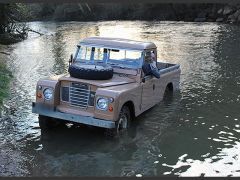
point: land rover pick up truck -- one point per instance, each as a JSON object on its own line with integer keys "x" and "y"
{"x": 105, "y": 87}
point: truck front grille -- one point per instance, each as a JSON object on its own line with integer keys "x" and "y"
{"x": 79, "y": 94}
{"x": 65, "y": 94}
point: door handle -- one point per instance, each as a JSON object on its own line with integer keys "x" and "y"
{"x": 153, "y": 86}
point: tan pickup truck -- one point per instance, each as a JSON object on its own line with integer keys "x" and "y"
{"x": 105, "y": 87}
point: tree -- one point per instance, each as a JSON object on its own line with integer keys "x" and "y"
{"x": 10, "y": 29}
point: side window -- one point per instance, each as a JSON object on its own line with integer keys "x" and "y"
{"x": 154, "y": 54}
{"x": 147, "y": 59}
{"x": 150, "y": 55}
{"x": 149, "y": 62}
{"x": 147, "y": 56}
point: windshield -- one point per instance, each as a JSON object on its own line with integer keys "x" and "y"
{"x": 114, "y": 57}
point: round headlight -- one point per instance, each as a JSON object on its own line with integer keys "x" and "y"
{"x": 48, "y": 94}
{"x": 102, "y": 103}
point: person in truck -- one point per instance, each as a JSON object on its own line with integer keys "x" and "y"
{"x": 150, "y": 67}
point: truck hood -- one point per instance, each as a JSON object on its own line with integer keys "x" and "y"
{"x": 116, "y": 80}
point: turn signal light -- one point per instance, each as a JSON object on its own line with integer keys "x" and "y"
{"x": 39, "y": 95}
{"x": 110, "y": 108}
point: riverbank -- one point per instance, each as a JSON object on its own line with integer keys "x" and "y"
{"x": 5, "y": 76}
{"x": 7, "y": 38}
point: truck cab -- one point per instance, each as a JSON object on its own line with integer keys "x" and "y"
{"x": 105, "y": 87}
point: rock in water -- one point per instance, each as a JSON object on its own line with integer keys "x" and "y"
{"x": 220, "y": 11}
{"x": 202, "y": 15}
{"x": 227, "y": 10}
{"x": 200, "y": 19}
{"x": 238, "y": 20}
{"x": 236, "y": 14}
{"x": 231, "y": 19}
{"x": 219, "y": 20}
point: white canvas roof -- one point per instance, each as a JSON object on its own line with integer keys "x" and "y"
{"x": 117, "y": 43}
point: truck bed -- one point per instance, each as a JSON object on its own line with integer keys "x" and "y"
{"x": 166, "y": 67}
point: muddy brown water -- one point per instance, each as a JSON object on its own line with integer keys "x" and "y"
{"x": 196, "y": 133}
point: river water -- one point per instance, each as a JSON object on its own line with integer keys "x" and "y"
{"x": 194, "y": 134}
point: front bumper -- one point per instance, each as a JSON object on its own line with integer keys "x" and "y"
{"x": 52, "y": 112}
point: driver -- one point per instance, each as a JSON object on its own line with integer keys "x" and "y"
{"x": 150, "y": 66}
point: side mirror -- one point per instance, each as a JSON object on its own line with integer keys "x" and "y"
{"x": 71, "y": 59}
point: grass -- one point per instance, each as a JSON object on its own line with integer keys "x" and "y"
{"x": 5, "y": 77}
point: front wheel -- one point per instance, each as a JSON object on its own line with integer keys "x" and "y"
{"x": 122, "y": 124}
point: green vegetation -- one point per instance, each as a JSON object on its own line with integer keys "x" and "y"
{"x": 11, "y": 31}
{"x": 198, "y": 12}
{"x": 5, "y": 77}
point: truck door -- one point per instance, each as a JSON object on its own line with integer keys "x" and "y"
{"x": 148, "y": 87}
{"x": 147, "y": 93}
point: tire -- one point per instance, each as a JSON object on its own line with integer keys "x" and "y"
{"x": 47, "y": 123}
{"x": 168, "y": 95}
{"x": 91, "y": 71}
{"x": 122, "y": 124}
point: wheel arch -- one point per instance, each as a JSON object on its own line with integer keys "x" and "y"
{"x": 169, "y": 86}
{"x": 168, "y": 90}
{"x": 131, "y": 107}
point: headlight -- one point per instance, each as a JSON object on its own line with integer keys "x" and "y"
{"x": 48, "y": 94}
{"x": 102, "y": 103}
